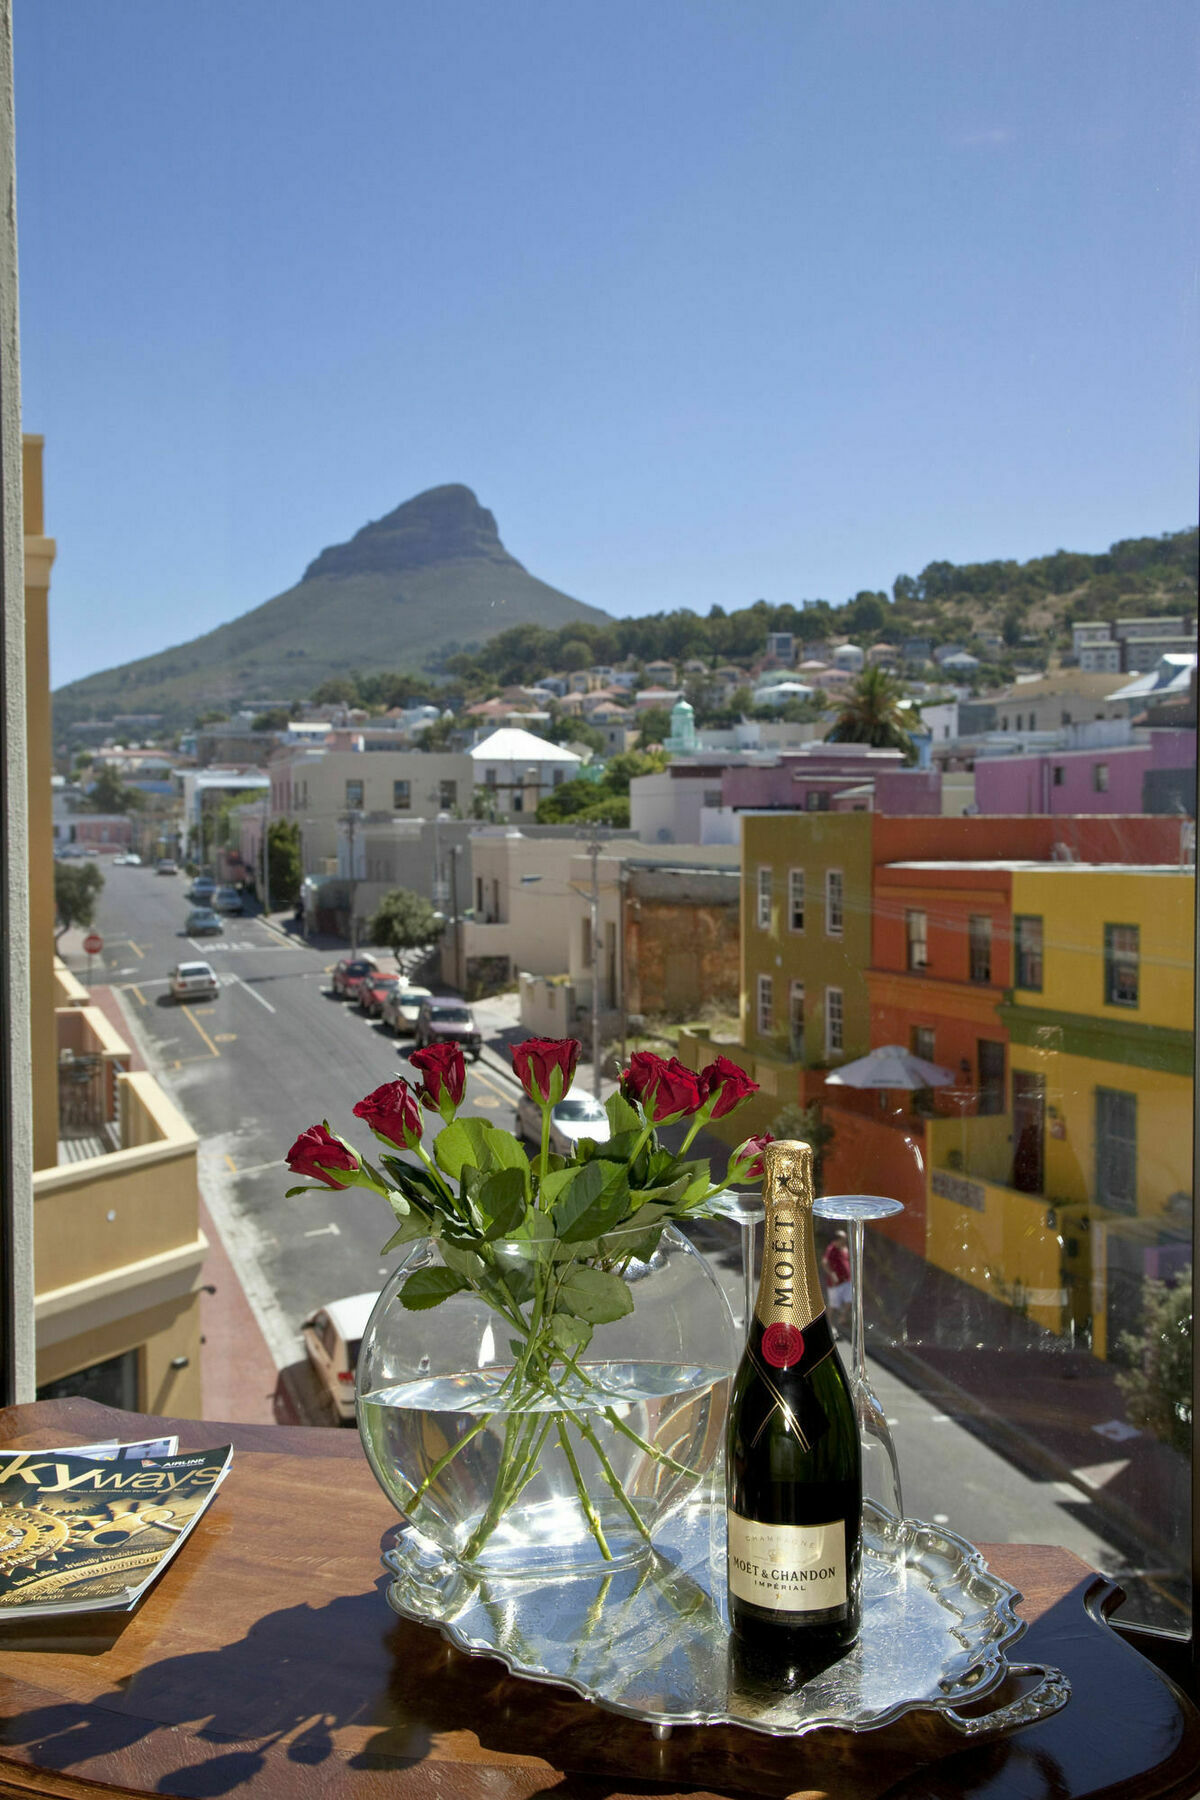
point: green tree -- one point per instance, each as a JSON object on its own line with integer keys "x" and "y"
{"x": 109, "y": 794}
{"x": 438, "y": 733}
{"x": 871, "y": 714}
{"x": 655, "y": 726}
{"x": 405, "y": 921}
{"x": 283, "y": 861}
{"x": 1158, "y": 1383}
{"x": 276, "y": 718}
{"x": 807, "y": 1125}
{"x": 76, "y": 890}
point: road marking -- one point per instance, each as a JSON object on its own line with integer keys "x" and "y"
{"x": 488, "y": 1100}
{"x": 138, "y": 994}
{"x": 140, "y": 954}
{"x": 232, "y": 1165}
{"x": 1065, "y": 1491}
{"x": 191, "y": 1017}
{"x": 329, "y": 1230}
{"x": 225, "y": 1037}
{"x": 238, "y": 982}
{"x": 489, "y": 1082}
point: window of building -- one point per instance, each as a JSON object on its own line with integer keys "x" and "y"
{"x": 585, "y": 946}
{"x": 559, "y": 777}
{"x": 796, "y": 899}
{"x": 1028, "y": 930}
{"x": 916, "y": 928}
{"x": 1059, "y": 773}
{"x": 1121, "y": 965}
{"x": 816, "y": 800}
{"x": 766, "y": 1006}
{"x": 990, "y": 1058}
{"x": 518, "y": 801}
{"x": 712, "y": 797}
{"x": 833, "y": 1021}
{"x": 979, "y": 946}
{"x": 1020, "y": 721}
{"x": 763, "y": 906}
{"x": 489, "y": 778}
{"x": 401, "y": 796}
{"x": 447, "y": 794}
{"x": 834, "y": 897}
{"x": 1004, "y": 723}
{"x": 1100, "y": 778}
{"x": 1066, "y": 716}
{"x": 354, "y": 796}
{"x": 796, "y": 1020}
{"x": 1116, "y": 1150}
{"x": 113, "y": 1382}
{"x": 921, "y": 1042}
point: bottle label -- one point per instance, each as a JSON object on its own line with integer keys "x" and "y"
{"x": 790, "y": 1568}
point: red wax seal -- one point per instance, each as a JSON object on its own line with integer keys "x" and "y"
{"x": 782, "y": 1345}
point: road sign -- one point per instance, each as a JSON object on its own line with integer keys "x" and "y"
{"x": 93, "y": 943}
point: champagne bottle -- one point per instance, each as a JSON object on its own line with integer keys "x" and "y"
{"x": 793, "y": 1465}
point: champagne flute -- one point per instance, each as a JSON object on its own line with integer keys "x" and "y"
{"x": 880, "y": 1468}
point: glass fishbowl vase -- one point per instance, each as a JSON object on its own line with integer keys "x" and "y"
{"x": 511, "y": 1451}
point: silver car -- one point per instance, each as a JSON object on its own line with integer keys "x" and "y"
{"x": 576, "y": 1116}
{"x": 193, "y": 981}
{"x": 401, "y": 1008}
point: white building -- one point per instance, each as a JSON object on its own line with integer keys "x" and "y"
{"x": 515, "y": 769}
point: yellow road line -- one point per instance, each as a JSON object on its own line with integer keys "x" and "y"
{"x": 488, "y": 1083}
{"x": 137, "y": 994}
{"x": 135, "y": 949}
{"x": 190, "y": 1015}
{"x": 232, "y": 1164}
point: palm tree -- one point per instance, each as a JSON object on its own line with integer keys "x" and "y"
{"x": 871, "y": 713}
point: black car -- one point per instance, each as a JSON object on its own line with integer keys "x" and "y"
{"x": 443, "y": 1021}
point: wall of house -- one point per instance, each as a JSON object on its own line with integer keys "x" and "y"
{"x": 682, "y": 953}
{"x": 1063, "y": 781}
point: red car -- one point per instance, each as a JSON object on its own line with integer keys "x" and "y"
{"x": 349, "y": 972}
{"x": 373, "y": 990}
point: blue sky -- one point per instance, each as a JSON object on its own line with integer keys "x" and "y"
{"x": 706, "y": 302}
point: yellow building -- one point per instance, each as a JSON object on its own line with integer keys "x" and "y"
{"x": 116, "y": 1238}
{"x": 1066, "y": 1204}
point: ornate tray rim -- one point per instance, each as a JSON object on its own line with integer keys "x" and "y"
{"x": 988, "y": 1664}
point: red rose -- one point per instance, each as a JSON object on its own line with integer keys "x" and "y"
{"x": 729, "y": 1082}
{"x": 666, "y": 1091}
{"x": 545, "y": 1067}
{"x": 393, "y": 1114}
{"x": 444, "y": 1077}
{"x": 316, "y": 1153}
{"x": 746, "y": 1163}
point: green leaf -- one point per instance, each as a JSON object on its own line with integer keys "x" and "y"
{"x": 569, "y": 1334}
{"x": 555, "y": 1183}
{"x": 502, "y": 1201}
{"x": 621, "y": 1115}
{"x": 474, "y": 1141}
{"x": 533, "y": 1239}
{"x": 596, "y": 1200}
{"x": 462, "y": 1260}
{"x": 429, "y": 1287}
{"x": 594, "y": 1295}
{"x": 410, "y": 1230}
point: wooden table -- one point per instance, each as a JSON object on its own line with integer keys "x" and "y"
{"x": 266, "y": 1662}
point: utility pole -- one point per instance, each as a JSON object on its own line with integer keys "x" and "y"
{"x": 594, "y": 852}
{"x": 350, "y": 820}
{"x": 266, "y": 852}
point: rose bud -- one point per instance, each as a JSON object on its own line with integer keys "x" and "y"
{"x": 666, "y": 1091}
{"x": 729, "y": 1083}
{"x": 746, "y": 1163}
{"x": 545, "y": 1067}
{"x": 316, "y": 1153}
{"x": 393, "y": 1114}
{"x": 444, "y": 1077}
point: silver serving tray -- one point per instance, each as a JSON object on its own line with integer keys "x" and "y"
{"x": 650, "y": 1639}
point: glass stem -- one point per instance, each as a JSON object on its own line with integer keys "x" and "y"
{"x": 858, "y": 1348}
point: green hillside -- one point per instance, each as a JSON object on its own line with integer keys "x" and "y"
{"x": 404, "y": 593}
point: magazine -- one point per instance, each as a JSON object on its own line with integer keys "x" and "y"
{"x": 80, "y": 1534}
{"x": 112, "y": 1450}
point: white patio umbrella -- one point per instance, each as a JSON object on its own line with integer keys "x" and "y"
{"x": 890, "y": 1066}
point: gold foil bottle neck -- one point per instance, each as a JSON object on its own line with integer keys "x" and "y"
{"x": 789, "y": 1291}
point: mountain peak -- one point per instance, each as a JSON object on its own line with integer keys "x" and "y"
{"x": 444, "y": 524}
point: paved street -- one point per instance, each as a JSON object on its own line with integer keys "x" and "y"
{"x": 275, "y": 1052}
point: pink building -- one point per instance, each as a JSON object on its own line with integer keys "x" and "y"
{"x": 1112, "y": 780}
{"x": 834, "y": 778}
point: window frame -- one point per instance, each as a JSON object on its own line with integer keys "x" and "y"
{"x": 796, "y": 884}
{"x": 927, "y": 1047}
{"x": 355, "y": 781}
{"x": 398, "y": 804}
{"x": 764, "y": 1004}
{"x": 796, "y": 989}
{"x": 763, "y": 896}
{"x": 916, "y": 939}
{"x": 1113, "y": 1152}
{"x": 833, "y": 1011}
{"x": 1022, "y": 952}
{"x": 974, "y": 939}
{"x": 1115, "y": 961}
{"x": 835, "y": 913}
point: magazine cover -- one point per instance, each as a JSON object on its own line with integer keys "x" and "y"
{"x": 81, "y": 1535}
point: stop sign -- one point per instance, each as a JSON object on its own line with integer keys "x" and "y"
{"x": 93, "y": 943}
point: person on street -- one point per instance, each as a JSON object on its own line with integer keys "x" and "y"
{"x": 835, "y": 1266}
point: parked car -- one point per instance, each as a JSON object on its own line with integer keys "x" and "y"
{"x": 228, "y": 900}
{"x": 401, "y": 1008}
{"x": 349, "y": 971}
{"x": 202, "y": 890}
{"x": 332, "y": 1335}
{"x": 576, "y": 1116}
{"x": 442, "y": 1021}
{"x": 166, "y": 865}
{"x": 202, "y": 921}
{"x": 193, "y": 981}
{"x": 373, "y": 990}
{"x": 133, "y": 859}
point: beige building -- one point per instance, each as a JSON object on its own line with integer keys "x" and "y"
{"x": 520, "y": 907}
{"x": 318, "y": 786}
{"x": 116, "y": 1238}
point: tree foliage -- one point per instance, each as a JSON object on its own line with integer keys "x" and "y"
{"x": 109, "y": 794}
{"x": 77, "y": 888}
{"x": 283, "y": 861}
{"x": 1158, "y": 1382}
{"x": 405, "y": 921}
{"x": 871, "y": 714}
